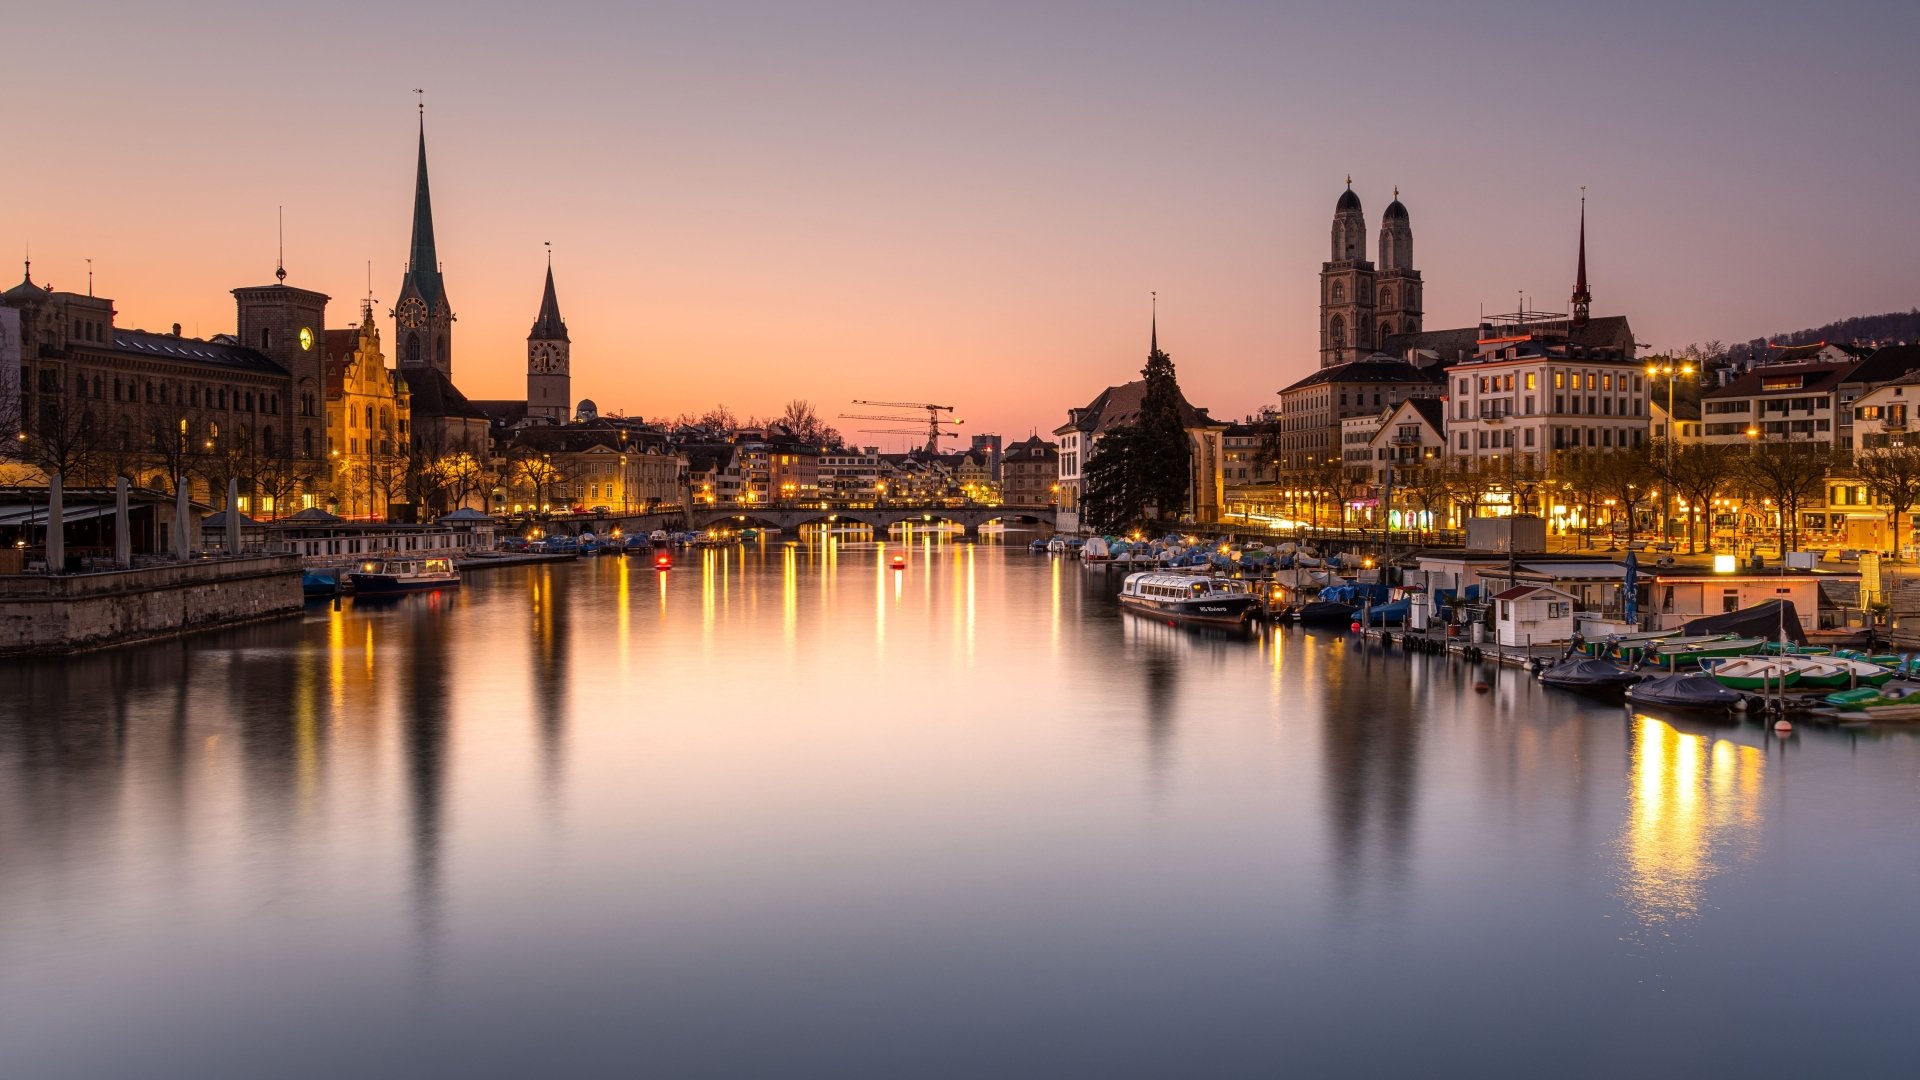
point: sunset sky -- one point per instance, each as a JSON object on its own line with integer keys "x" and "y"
{"x": 966, "y": 203}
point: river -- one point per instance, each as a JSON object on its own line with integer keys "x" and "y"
{"x": 784, "y": 811}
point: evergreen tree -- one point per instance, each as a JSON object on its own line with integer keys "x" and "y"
{"x": 1113, "y": 493}
{"x": 1163, "y": 455}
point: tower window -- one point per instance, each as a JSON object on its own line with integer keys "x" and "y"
{"x": 1339, "y": 293}
{"x": 266, "y": 339}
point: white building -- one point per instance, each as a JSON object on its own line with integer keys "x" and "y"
{"x": 1530, "y": 391}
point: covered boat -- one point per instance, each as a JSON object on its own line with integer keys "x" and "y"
{"x": 1684, "y": 652}
{"x": 1693, "y": 690}
{"x": 1186, "y": 598}
{"x": 1767, "y": 620}
{"x": 1590, "y": 675}
{"x": 1324, "y": 613}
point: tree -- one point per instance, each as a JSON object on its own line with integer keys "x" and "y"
{"x": 1791, "y": 474}
{"x": 805, "y": 424}
{"x": 1428, "y": 482}
{"x": 1623, "y": 475}
{"x": 1699, "y": 472}
{"x": 1114, "y": 490}
{"x": 1893, "y": 474}
{"x": 1163, "y": 451}
{"x": 1471, "y": 480}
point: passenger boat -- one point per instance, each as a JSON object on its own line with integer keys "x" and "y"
{"x": 392, "y": 576}
{"x": 1693, "y": 690}
{"x": 1186, "y": 598}
{"x": 1590, "y": 675}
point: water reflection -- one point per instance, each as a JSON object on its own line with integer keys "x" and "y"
{"x": 552, "y": 619}
{"x": 424, "y": 737}
{"x": 1370, "y": 755}
{"x": 1694, "y": 808}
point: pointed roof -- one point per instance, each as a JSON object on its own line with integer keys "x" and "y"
{"x": 1582, "y": 299}
{"x": 1348, "y": 200}
{"x": 423, "y": 260}
{"x": 548, "y": 325}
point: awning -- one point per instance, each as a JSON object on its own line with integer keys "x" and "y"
{"x": 17, "y": 514}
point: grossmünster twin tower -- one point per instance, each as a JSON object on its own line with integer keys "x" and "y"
{"x": 1361, "y": 305}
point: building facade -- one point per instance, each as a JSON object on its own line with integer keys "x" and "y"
{"x": 368, "y": 411}
{"x": 1030, "y": 472}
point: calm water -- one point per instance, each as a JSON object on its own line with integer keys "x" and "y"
{"x": 784, "y": 812}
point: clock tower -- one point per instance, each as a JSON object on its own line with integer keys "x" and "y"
{"x": 423, "y": 332}
{"x": 549, "y": 383}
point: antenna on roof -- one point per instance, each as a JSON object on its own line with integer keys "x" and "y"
{"x": 280, "y": 261}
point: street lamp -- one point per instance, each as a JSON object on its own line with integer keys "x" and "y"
{"x": 1669, "y": 370}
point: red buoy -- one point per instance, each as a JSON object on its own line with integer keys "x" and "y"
{"x": 899, "y": 562}
{"x": 663, "y": 561}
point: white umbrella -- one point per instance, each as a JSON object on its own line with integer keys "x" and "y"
{"x": 233, "y": 517}
{"x": 56, "y": 525}
{"x": 180, "y": 512}
{"x": 122, "y": 529}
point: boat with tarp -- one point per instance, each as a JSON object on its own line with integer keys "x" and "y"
{"x": 1693, "y": 690}
{"x": 1590, "y": 675}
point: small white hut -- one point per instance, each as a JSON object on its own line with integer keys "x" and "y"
{"x": 1532, "y": 615}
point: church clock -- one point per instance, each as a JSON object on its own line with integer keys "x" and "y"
{"x": 306, "y": 339}
{"x": 412, "y": 313}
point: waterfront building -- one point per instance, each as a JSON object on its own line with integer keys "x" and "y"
{"x": 368, "y": 410}
{"x": 1312, "y": 409}
{"x": 592, "y": 466}
{"x": 1406, "y": 436}
{"x": 1788, "y": 399}
{"x": 1532, "y": 390}
{"x": 793, "y": 470}
{"x": 1030, "y": 471}
{"x": 97, "y": 400}
{"x": 972, "y": 475}
{"x": 850, "y": 474}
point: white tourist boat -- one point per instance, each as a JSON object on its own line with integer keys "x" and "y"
{"x": 1186, "y": 598}
{"x": 389, "y": 577}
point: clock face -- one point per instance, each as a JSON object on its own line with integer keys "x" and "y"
{"x": 306, "y": 338}
{"x": 412, "y": 313}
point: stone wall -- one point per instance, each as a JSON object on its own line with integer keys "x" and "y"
{"x": 72, "y": 612}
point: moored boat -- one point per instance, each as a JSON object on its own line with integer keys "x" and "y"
{"x": 1692, "y": 690}
{"x": 1838, "y": 672}
{"x": 1590, "y": 675}
{"x": 1760, "y": 672}
{"x": 1186, "y": 598}
{"x": 390, "y": 577}
{"x": 319, "y": 583}
{"x": 1678, "y": 652}
{"x": 1324, "y": 613}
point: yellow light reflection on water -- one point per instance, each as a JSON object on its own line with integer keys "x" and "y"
{"x": 1693, "y": 809}
{"x": 623, "y": 616}
{"x": 337, "y": 660}
{"x": 790, "y": 598}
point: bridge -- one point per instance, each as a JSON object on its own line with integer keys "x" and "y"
{"x": 789, "y": 517}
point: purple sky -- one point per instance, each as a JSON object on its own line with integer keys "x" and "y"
{"x": 965, "y": 203}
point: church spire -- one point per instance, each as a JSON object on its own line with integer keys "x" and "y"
{"x": 421, "y": 256}
{"x": 1582, "y": 299}
{"x": 549, "y": 326}
{"x": 1153, "y": 338}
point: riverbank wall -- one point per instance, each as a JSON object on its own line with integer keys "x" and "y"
{"x": 42, "y": 614}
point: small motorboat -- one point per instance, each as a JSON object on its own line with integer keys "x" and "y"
{"x": 1842, "y": 673}
{"x": 1590, "y": 675}
{"x": 1324, "y": 613}
{"x": 390, "y": 577}
{"x": 319, "y": 583}
{"x": 1693, "y": 690}
{"x": 1762, "y": 672}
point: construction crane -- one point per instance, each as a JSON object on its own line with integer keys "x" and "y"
{"x": 905, "y": 431}
{"x": 934, "y": 419}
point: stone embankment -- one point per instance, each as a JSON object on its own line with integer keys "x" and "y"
{"x": 62, "y": 613}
